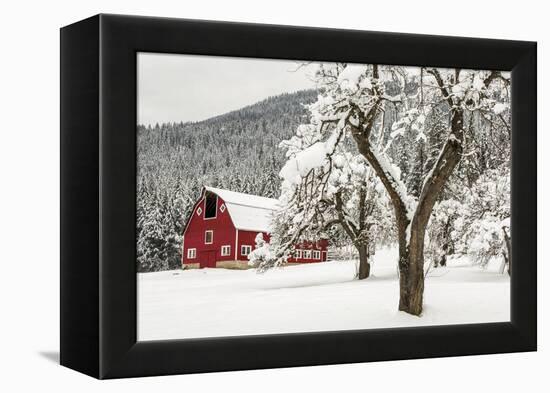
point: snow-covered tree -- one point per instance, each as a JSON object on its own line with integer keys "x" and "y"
{"x": 354, "y": 107}
{"x": 324, "y": 186}
{"x": 483, "y": 227}
{"x": 261, "y": 252}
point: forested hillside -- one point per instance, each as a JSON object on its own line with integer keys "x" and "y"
{"x": 238, "y": 151}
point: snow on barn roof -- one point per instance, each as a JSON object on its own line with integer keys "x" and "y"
{"x": 248, "y": 212}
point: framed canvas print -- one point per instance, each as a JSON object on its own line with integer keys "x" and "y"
{"x": 300, "y": 196}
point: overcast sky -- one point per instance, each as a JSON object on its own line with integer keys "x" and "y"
{"x": 173, "y": 88}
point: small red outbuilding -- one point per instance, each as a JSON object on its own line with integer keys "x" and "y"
{"x": 223, "y": 226}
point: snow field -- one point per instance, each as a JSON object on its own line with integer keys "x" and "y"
{"x": 308, "y": 298}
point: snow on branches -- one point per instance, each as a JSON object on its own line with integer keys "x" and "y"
{"x": 376, "y": 127}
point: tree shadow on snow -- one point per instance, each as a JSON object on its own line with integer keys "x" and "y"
{"x": 310, "y": 284}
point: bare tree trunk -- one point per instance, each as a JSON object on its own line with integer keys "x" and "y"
{"x": 411, "y": 270}
{"x": 358, "y": 235}
{"x": 443, "y": 260}
{"x": 364, "y": 265}
{"x": 505, "y": 264}
{"x": 508, "y": 242}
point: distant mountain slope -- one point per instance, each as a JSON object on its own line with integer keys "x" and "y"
{"x": 237, "y": 151}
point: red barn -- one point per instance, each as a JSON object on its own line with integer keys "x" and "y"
{"x": 223, "y": 226}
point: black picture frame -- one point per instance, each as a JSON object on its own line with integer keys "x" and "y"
{"x": 98, "y": 193}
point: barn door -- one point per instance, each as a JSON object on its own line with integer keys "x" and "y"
{"x": 211, "y": 258}
{"x": 208, "y": 259}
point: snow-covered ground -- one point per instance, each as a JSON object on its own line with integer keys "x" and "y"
{"x": 306, "y": 298}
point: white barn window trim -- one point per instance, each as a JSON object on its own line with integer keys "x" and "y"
{"x": 299, "y": 254}
{"x": 316, "y": 254}
{"x": 208, "y": 237}
{"x": 226, "y": 250}
{"x": 307, "y": 254}
{"x": 191, "y": 253}
{"x": 245, "y": 250}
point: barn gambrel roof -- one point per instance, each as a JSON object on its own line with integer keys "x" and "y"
{"x": 248, "y": 212}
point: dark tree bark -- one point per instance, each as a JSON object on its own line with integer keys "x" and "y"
{"x": 508, "y": 254}
{"x": 364, "y": 265}
{"x": 358, "y": 235}
{"x": 443, "y": 260}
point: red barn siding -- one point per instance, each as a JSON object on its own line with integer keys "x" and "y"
{"x": 223, "y": 234}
